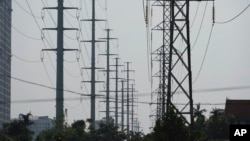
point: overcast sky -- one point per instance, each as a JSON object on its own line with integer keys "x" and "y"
{"x": 226, "y": 63}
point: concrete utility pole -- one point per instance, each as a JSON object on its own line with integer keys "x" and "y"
{"x": 93, "y": 67}
{"x": 59, "y": 51}
{"x": 108, "y": 54}
{"x": 127, "y": 94}
{"x": 116, "y": 89}
{"x": 122, "y": 129}
{"x": 132, "y": 120}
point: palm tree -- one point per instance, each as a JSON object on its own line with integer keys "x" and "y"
{"x": 198, "y": 112}
{"x": 199, "y": 131}
{"x": 220, "y": 122}
{"x": 26, "y": 119}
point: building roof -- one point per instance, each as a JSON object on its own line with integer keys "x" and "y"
{"x": 240, "y": 109}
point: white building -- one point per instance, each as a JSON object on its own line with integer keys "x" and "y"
{"x": 40, "y": 124}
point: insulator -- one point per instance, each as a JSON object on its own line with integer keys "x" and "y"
{"x": 42, "y": 34}
{"x": 151, "y": 17}
{"x": 146, "y": 15}
{"x": 77, "y": 13}
{"x": 213, "y": 13}
{"x": 77, "y": 35}
{"x": 81, "y": 71}
{"x": 118, "y": 43}
{"x": 81, "y": 89}
{"x": 78, "y": 55}
{"x": 42, "y": 14}
{"x": 42, "y": 56}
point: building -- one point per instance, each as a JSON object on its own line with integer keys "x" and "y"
{"x": 5, "y": 60}
{"x": 239, "y": 109}
{"x": 40, "y": 124}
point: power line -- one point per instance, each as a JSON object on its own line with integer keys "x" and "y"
{"x": 142, "y": 94}
{"x": 44, "y": 86}
{"x": 19, "y": 5}
{"x": 25, "y": 35}
{"x": 200, "y": 26}
{"x": 224, "y": 22}
{"x": 203, "y": 60}
{"x": 195, "y": 15}
{"x": 86, "y": 98}
{"x": 46, "y": 100}
{"x": 208, "y": 90}
{"x": 51, "y": 82}
{"x": 25, "y": 60}
{"x": 33, "y": 15}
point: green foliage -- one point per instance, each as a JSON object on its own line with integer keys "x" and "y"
{"x": 137, "y": 136}
{"x": 16, "y": 130}
{"x": 67, "y": 133}
{"x": 199, "y": 128}
{"x": 77, "y": 132}
{"x": 220, "y": 122}
{"x": 171, "y": 128}
{"x": 106, "y": 132}
{"x": 148, "y": 137}
{"x": 26, "y": 119}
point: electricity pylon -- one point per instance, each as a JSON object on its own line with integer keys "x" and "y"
{"x": 116, "y": 88}
{"x": 59, "y": 52}
{"x": 128, "y": 90}
{"x": 108, "y": 54}
{"x": 122, "y": 105}
{"x": 93, "y": 66}
{"x": 175, "y": 29}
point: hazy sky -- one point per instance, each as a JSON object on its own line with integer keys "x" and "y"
{"x": 226, "y": 63}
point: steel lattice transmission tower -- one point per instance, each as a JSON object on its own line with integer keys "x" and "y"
{"x": 162, "y": 56}
{"x": 180, "y": 31}
{"x": 173, "y": 55}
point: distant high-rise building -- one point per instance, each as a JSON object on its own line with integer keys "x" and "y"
{"x": 5, "y": 60}
{"x": 40, "y": 124}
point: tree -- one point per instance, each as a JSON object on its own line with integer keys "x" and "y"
{"x": 199, "y": 128}
{"x": 16, "y": 130}
{"x": 148, "y": 137}
{"x": 79, "y": 129}
{"x": 26, "y": 119}
{"x": 107, "y": 132}
{"x": 137, "y": 136}
{"x": 171, "y": 128}
{"x": 219, "y": 121}
{"x": 75, "y": 132}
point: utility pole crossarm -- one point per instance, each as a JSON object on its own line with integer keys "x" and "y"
{"x": 90, "y": 41}
{"x": 90, "y": 20}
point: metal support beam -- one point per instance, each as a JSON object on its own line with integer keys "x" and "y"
{"x": 108, "y": 38}
{"x": 93, "y": 68}
{"x": 128, "y": 70}
{"x": 59, "y": 68}
{"x": 116, "y": 89}
{"x": 122, "y": 129}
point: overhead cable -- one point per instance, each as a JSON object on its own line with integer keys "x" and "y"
{"x": 203, "y": 60}
{"x": 224, "y": 22}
